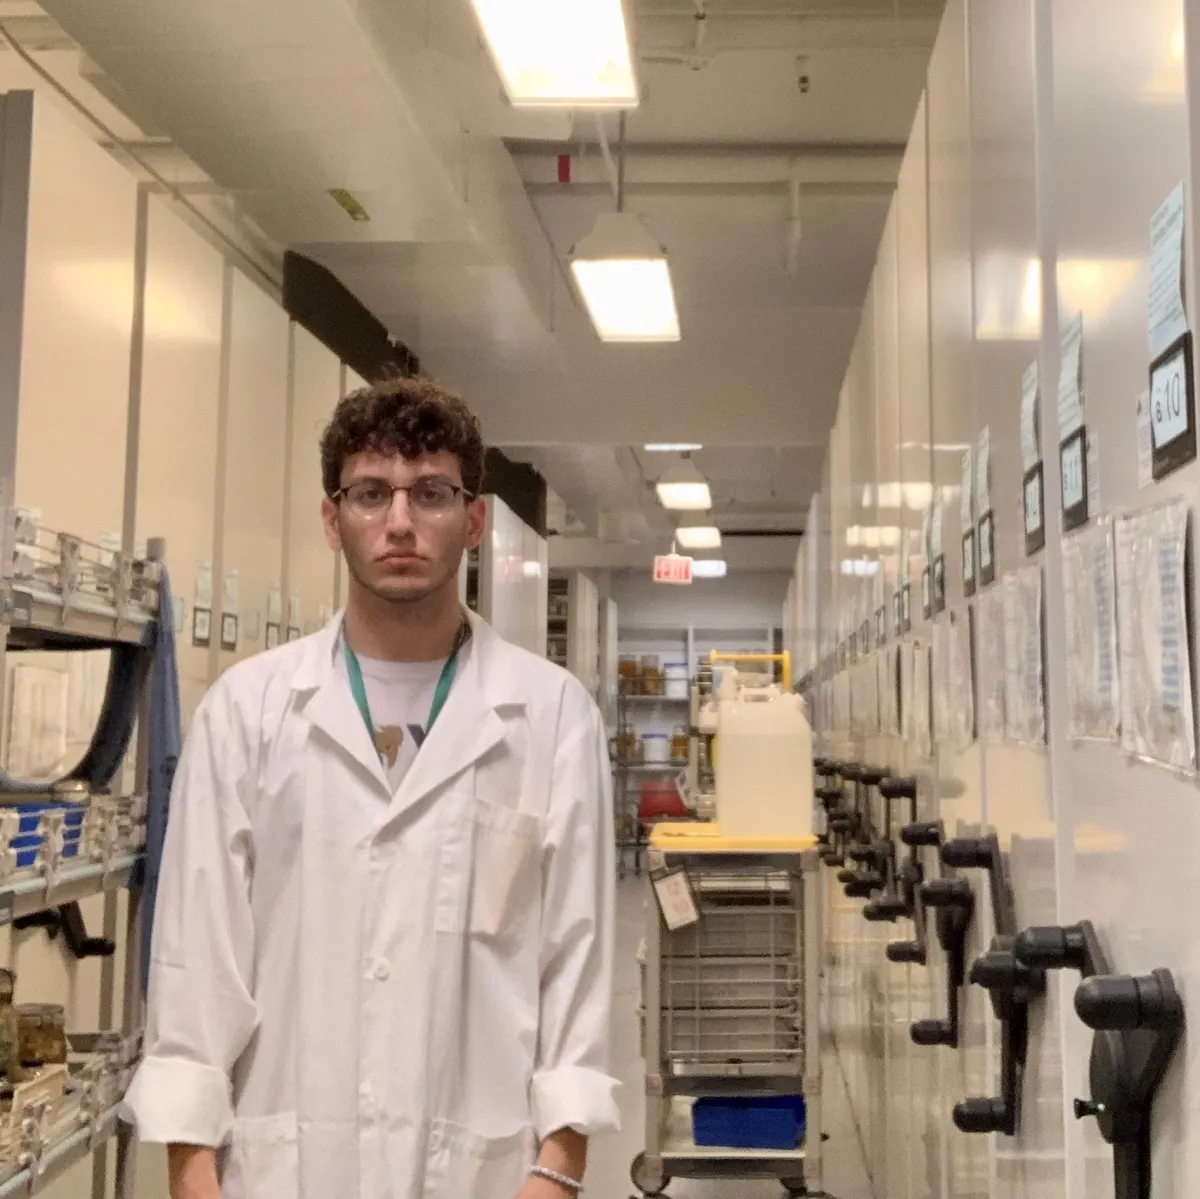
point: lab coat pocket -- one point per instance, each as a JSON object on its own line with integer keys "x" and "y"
{"x": 264, "y": 1159}
{"x": 464, "y": 1165}
{"x": 504, "y": 868}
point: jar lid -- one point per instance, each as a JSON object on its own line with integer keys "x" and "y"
{"x": 55, "y": 1013}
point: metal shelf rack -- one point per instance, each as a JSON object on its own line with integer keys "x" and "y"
{"x": 61, "y": 593}
{"x": 631, "y": 835}
{"x": 730, "y": 1006}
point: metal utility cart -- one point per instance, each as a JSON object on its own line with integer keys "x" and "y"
{"x": 729, "y": 1000}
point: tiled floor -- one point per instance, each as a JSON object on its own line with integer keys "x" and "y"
{"x": 608, "y": 1176}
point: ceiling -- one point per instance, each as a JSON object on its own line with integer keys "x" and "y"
{"x": 763, "y": 156}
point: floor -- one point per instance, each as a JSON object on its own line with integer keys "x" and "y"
{"x": 608, "y": 1174}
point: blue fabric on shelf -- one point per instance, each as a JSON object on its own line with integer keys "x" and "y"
{"x": 165, "y": 738}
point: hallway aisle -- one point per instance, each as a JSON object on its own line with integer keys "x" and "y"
{"x": 608, "y": 1173}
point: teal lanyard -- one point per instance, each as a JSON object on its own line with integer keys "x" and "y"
{"x": 441, "y": 692}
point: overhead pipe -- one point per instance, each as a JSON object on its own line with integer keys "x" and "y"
{"x": 606, "y": 153}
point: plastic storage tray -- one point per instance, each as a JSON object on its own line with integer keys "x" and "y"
{"x": 31, "y": 813}
{"x": 26, "y": 847}
{"x": 775, "y": 1122}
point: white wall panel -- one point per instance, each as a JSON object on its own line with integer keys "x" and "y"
{"x": 536, "y": 568}
{"x": 78, "y": 324}
{"x": 504, "y": 591}
{"x": 181, "y": 369}
{"x": 906, "y": 504}
{"x": 71, "y": 443}
{"x": 1119, "y": 146}
{"x": 1007, "y": 279}
{"x": 255, "y": 448}
{"x": 316, "y": 383}
{"x": 748, "y": 599}
{"x": 583, "y": 646}
{"x": 964, "y": 1073}
{"x": 351, "y": 380}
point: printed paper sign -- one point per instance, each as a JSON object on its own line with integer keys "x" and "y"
{"x": 983, "y": 472}
{"x": 1072, "y": 473}
{"x": 1030, "y": 443}
{"x": 675, "y": 900}
{"x": 935, "y": 526}
{"x": 1033, "y": 505}
{"x": 1070, "y": 396}
{"x": 1093, "y": 474}
{"x": 204, "y": 584}
{"x": 1167, "y": 317}
{"x": 230, "y": 599}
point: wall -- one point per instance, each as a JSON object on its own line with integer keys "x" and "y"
{"x": 1049, "y": 135}
{"x": 162, "y": 392}
{"x": 513, "y": 578}
{"x": 746, "y": 599}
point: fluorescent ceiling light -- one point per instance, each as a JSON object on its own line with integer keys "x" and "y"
{"x": 709, "y": 568}
{"x": 698, "y": 537}
{"x": 684, "y": 489}
{"x": 623, "y": 277}
{"x": 672, "y": 447}
{"x": 560, "y": 53}
{"x": 860, "y": 567}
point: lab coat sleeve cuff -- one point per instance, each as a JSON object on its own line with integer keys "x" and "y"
{"x": 177, "y": 1102}
{"x": 575, "y": 1098}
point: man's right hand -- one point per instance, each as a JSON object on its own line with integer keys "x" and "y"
{"x": 193, "y": 1172}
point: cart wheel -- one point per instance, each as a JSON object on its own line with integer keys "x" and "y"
{"x": 649, "y": 1184}
{"x": 796, "y": 1188}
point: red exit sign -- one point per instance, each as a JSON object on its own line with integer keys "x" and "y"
{"x": 672, "y": 568}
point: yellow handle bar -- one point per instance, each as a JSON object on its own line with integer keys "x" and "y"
{"x": 785, "y": 658}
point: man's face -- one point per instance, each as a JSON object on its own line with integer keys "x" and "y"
{"x": 409, "y": 546}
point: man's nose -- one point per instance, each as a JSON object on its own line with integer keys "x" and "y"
{"x": 399, "y": 518}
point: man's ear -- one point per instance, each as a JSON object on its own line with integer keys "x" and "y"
{"x": 329, "y": 521}
{"x": 476, "y": 522}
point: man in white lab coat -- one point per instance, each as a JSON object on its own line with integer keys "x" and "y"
{"x": 383, "y": 944}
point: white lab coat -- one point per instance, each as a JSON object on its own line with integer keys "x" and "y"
{"x": 378, "y": 996}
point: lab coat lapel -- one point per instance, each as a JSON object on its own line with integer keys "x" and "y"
{"x": 331, "y": 707}
{"x": 469, "y": 725}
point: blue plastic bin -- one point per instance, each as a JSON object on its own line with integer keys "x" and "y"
{"x": 777, "y": 1122}
{"x": 27, "y": 846}
{"x": 32, "y": 810}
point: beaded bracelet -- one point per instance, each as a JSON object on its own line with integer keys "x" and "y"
{"x": 572, "y": 1184}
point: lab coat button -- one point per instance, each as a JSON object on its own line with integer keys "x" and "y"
{"x": 383, "y": 970}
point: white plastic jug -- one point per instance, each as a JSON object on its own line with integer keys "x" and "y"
{"x": 764, "y": 764}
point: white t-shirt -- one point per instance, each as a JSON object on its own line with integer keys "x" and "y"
{"x": 400, "y": 695}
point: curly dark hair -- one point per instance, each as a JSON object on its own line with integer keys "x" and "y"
{"x": 404, "y": 416}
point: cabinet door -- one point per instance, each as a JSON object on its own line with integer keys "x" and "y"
{"x": 251, "y": 559}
